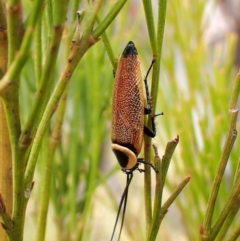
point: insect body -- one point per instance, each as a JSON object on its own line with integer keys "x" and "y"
{"x": 128, "y": 117}
{"x": 128, "y": 109}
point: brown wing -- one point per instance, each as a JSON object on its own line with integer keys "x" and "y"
{"x": 128, "y": 104}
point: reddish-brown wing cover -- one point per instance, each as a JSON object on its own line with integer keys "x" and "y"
{"x": 128, "y": 104}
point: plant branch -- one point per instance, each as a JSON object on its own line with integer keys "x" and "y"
{"x": 43, "y": 92}
{"x": 150, "y": 23}
{"x": 52, "y": 143}
{"x": 109, "y": 18}
{"x": 14, "y": 71}
{"x": 78, "y": 49}
{"x": 231, "y": 137}
{"x": 154, "y": 90}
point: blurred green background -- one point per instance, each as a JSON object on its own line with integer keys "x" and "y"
{"x": 198, "y": 69}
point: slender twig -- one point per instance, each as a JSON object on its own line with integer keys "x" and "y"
{"x": 14, "y": 29}
{"x": 157, "y": 50}
{"x": 109, "y": 18}
{"x": 230, "y": 139}
{"x": 148, "y": 9}
{"x": 235, "y": 234}
{"x": 15, "y": 69}
{"x": 78, "y": 49}
{"x": 235, "y": 93}
{"x": 46, "y": 180}
{"x": 232, "y": 203}
{"x": 159, "y": 211}
{"x": 43, "y": 92}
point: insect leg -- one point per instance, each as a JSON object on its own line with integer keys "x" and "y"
{"x": 148, "y": 109}
{"x": 141, "y": 160}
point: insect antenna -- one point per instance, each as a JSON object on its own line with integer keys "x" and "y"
{"x": 123, "y": 200}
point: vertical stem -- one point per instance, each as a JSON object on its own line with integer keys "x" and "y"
{"x": 5, "y": 147}
{"x": 52, "y": 143}
{"x": 219, "y": 174}
{"x": 15, "y": 30}
{"x": 157, "y": 51}
{"x": 5, "y": 166}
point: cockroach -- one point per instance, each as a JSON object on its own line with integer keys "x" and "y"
{"x": 128, "y": 110}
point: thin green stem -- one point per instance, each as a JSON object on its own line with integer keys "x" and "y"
{"x": 15, "y": 28}
{"x": 78, "y": 49}
{"x": 147, "y": 184}
{"x": 148, "y": 9}
{"x": 160, "y": 180}
{"x": 38, "y": 52}
{"x": 232, "y": 204}
{"x": 109, "y": 18}
{"x": 168, "y": 156}
{"x": 15, "y": 69}
{"x": 235, "y": 234}
{"x": 75, "y": 6}
{"x": 165, "y": 208}
{"x": 6, "y": 187}
{"x": 231, "y": 137}
{"x": 43, "y": 92}
{"x": 228, "y": 221}
{"x": 235, "y": 93}
{"x": 162, "y": 6}
{"x": 109, "y": 50}
{"x": 158, "y": 191}
{"x": 11, "y": 106}
{"x": 51, "y": 146}
{"x": 49, "y": 12}
{"x": 154, "y": 90}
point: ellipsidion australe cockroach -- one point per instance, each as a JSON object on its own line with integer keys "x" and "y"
{"x": 128, "y": 110}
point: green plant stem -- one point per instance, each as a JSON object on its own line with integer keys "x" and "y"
{"x": 38, "y": 52}
{"x": 174, "y": 195}
{"x": 235, "y": 234}
{"x": 14, "y": 71}
{"x": 147, "y": 184}
{"x": 160, "y": 180}
{"x": 109, "y": 50}
{"x": 11, "y": 110}
{"x": 50, "y": 21}
{"x": 44, "y": 90}
{"x": 53, "y": 141}
{"x": 155, "y": 79}
{"x": 231, "y": 137}
{"x": 6, "y": 185}
{"x": 235, "y": 93}
{"x": 229, "y": 220}
{"x": 11, "y": 107}
{"x": 229, "y": 210}
{"x": 162, "y": 6}
{"x": 78, "y": 49}
{"x": 150, "y": 23}
{"x": 75, "y": 6}
{"x": 168, "y": 156}
{"x": 109, "y": 18}
{"x": 237, "y": 175}
{"x": 158, "y": 191}
{"x": 15, "y": 28}
{"x": 165, "y": 207}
